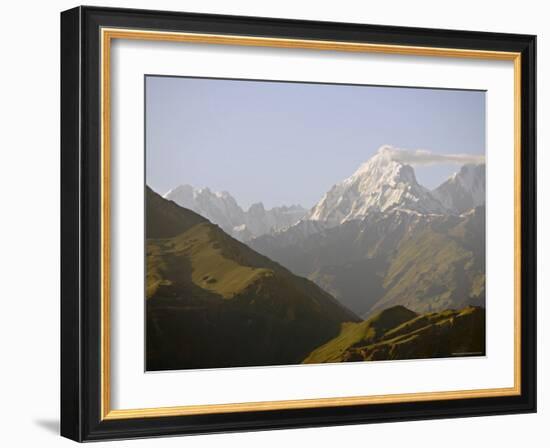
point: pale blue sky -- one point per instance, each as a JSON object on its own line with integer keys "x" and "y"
{"x": 288, "y": 143}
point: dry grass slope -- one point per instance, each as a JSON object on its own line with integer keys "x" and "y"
{"x": 398, "y": 333}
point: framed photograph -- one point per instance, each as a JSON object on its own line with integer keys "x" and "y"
{"x": 272, "y": 223}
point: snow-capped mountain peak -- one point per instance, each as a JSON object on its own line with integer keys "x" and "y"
{"x": 464, "y": 190}
{"x": 222, "y": 209}
{"x": 381, "y": 164}
{"x": 380, "y": 184}
{"x": 381, "y": 169}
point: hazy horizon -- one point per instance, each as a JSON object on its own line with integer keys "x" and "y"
{"x": 285, "y": 143}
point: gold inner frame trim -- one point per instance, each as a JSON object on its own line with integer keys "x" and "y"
{"x": 107, "y": 35}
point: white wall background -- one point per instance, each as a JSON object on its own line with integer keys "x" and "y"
{"x": 29, "y": 228}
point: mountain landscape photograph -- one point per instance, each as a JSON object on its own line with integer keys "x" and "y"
{"x": 296, "y": 223}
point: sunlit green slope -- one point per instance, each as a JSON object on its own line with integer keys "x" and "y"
{"x": 398, "y": 333}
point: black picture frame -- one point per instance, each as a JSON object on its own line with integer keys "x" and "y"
{"x": 81, "y": 227}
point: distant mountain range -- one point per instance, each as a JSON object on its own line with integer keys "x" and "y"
{"x": 376, "y": 239}
{"x": 222, "y": 209}
{"x": 383, "y": 184}
{"x": 380, "y": 268}
{"x": 379, "y": 239}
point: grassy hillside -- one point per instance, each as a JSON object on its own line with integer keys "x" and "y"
{"x": 398, "y": 333}
{"x": 214, "y": 302}
{"x": 439, "y": 266}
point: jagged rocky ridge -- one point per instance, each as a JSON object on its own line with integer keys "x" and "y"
{"x": 381, "y": 184}
{"x": 221, "y": 208}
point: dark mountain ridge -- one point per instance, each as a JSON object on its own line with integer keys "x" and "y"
{"x": 399, "y": 333}
{"x": 214, "y": 302}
